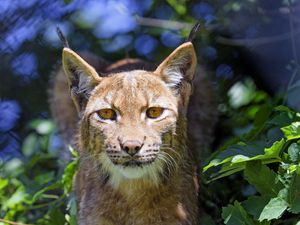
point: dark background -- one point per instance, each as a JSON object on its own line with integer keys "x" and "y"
{"x": 238, "y": 39}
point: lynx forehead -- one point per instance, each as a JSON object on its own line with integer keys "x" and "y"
{"x": 131, "y": 89}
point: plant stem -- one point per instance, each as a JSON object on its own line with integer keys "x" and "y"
{"x": 12, "y": 223}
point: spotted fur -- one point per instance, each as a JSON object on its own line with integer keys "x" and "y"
{"x": 156, "y": 185}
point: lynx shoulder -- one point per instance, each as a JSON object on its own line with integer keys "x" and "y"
{"x": 128, "y": 122}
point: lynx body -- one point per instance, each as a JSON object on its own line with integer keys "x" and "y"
{"x": 129, "y": 127}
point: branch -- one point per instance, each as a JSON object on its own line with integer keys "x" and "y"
{"x": 255, "y": 41}
{"x": 174, "y": 25}
{"x": 12, "y": 223}
{"x": 166, "y": 24}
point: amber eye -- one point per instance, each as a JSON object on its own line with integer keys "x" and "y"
{"x": 107, "y": 114}
{"x": 154, "y": 112}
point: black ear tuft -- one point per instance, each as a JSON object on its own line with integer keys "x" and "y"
{"x": 193, "y": 32}
{"x": 62, "y": 37}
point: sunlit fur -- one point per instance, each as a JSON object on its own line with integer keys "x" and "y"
{"x": 159, "y": 187}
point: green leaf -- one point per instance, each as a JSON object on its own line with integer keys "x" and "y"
{"x": 227, "y": 171}
{"x": 56, "y": 217}
{"x": 206, "y": 219}
{"x": 292, "y": 131}
{"x": 30, "y": 144}
{"x": 179, "y": 6}
{"x": 73, "y": 152}
{"x": 282, "y": 119}
{"x": 254, "y": 205}
{"x": 262, "y": 115}
{"x": 294, "y": 152}
{"x": 283, "y": 108}
{"x": 272, "y": 152}
{"x": 39, "y": 194}
{"x": 264, "y": 179}
{"x": 68, "y": 175}
{"x": 294, "y": 168}
{"x": 67, "y": 1}
{"x": 43, "y": 127}
{"x": 44, "y": 178}
{"x": 72, "y": 206}
{"x": 236, "y": 215}
{"x": 14, "y": 167}
{"x": 243, "y": 154}
{"x": 232, "y": 151}
{"x": 17, "y": 197}
{"x": 3, "y": 183}
{"x": 294, "y": 194}
{"x": 274, "y": 209}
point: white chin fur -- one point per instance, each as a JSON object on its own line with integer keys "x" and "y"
{"x": 118, "y": 174}
{"x": 132, "y": 172}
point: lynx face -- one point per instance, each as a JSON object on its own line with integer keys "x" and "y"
{"x": 131, "y": 112}
{"x": 129, "y": 118}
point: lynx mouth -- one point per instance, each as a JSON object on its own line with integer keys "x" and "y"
{"x": 136, "y": 163}
{"x": 134, "y": 167}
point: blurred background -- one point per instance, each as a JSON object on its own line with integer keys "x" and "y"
{"x": 250, "y": 49}
{"x": 238, "y": 39}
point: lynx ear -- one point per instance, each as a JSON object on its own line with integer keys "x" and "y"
{"x": 178, "y": 70}
{"x": 179, "y": 66}
{"x": 82, "y": 77}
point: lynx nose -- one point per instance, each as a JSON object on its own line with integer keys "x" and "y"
{"x": 131, "y": 147}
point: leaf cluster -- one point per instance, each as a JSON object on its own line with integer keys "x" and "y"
{"x": 35, "y": 189}
{"x": 269, "y": 157}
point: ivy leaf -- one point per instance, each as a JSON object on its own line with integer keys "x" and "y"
{"x": 282, "y": 119}
{"x": 292, "y": 131}
{"x": 72, "y": 206}
{"x": 283, "y": 108}
{"x": 56, "y": 217}
{"x": 30, "y": 145}
{"x": 40, "y": 193}
{"x": 68, "y": 175}
{"x": 294, "y": 194}
{"x": 18, "y": 197}
{"x": 274, "y": 209}
{"x": 179, "y": 6}
{"x": 3, "y": 183}
{"x": 44, "y": 178}
{"x": 262, "y": 115}
{"x": 264, "y": 179}
{"x": 72, "y": 209}
{"x": 254, "y": 205}
{"x": 236, "y": 214}
{"x": 284, "y": 116}
{"x": 243, "y": 154}
{"x": 294, "y": 152}
{"x": 73, "y": 152}
{"x": 272, "y": 152}
{"x": 43, "y": 127}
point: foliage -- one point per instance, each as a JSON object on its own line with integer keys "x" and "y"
{"x": 269, "y": 156}
{"x": 35, "y": 188}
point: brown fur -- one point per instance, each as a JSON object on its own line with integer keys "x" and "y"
{"x": 168, "y": 194}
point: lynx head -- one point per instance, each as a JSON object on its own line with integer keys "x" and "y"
{"x": 129, "y": 119}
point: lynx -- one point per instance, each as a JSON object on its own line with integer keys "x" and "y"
{"x": 128, "y": 122}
